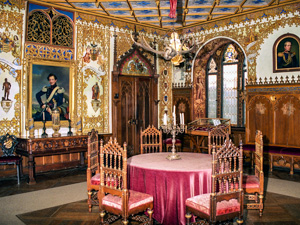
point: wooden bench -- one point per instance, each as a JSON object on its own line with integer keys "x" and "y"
{"x": 276, "y": 156}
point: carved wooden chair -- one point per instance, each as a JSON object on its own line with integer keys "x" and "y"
{"x": 114, "y": 197}
{"x": 253, "y": 185}
{"x": 216, "y": 136}
{"x": 226, "y": 198}
{"x": 169, "y": 144}
{"x": 8, "y": 143}
{"x": 93, "y": 169}
{"x": 151, "y": 140}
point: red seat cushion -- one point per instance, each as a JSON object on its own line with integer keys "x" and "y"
{"x": 9, "y": 159}
{"x": 250, "y": 181}
{"x": 135, "y": 200}
{"x": 96, "y": 179}
{"x": 169, "y": 141}
{"x": 202, "y": 204}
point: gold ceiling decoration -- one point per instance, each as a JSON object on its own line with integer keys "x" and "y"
{"x": 157, "y": 14}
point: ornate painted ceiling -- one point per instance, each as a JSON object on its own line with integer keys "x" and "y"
{"x": 155, "y": 13}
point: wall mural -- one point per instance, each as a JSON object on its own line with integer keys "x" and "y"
{"x": 93, "y": 41}
{"x": 11, "y": 23}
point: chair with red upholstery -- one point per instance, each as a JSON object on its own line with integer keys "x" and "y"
{"x": 168, "y": 143}
{"x": 151, "y": 140}
{"x": 217, "y": 136}
{"x": 8, "y": 143}
{"x": 93, "y": 169}
{"x": 226, "y": 198}
{"x": 114, "y": 197}
{"x": 253, "y": 185}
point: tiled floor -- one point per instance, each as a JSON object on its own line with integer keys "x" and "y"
{"x": 279, "y": 209}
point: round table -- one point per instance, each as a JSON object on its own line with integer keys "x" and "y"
{"x": 170, "y": 182}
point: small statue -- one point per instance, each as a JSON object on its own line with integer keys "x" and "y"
{"x": 6, "y": 87}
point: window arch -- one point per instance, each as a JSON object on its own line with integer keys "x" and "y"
{"x": 62, "y": 31}
{"x": 48, "y": 26}
{"x": 38, "y": 28}
{"x": 225, "y": 84}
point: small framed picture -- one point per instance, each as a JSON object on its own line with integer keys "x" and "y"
{"x": 286, "y": 51}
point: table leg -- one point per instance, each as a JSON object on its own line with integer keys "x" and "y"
{"x": 31, "y": 170}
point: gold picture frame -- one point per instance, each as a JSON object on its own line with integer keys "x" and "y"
{"x": 39, "y": 69}
{"x": 287, "y": 62}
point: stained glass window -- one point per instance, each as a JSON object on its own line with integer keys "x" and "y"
{"x": 225, "y": 86}
{"x": 212, "y": 90}
{"x": 229, "y": 103}
{"x": 212, "y": 96}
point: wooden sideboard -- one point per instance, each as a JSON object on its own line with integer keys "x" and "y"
{"x": 53, "y": 153}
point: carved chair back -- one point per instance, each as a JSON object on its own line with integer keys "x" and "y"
{"x": 254, "y": 184}
{"x": 151, "y": 140}
{"x": 8, "y": 144}
{"x": 113, "y": 171}
{"x": 93, "y": 166}
{"x": 93, "y": 169}
{"x": 217, "y": 136}
{"x": 227, "y": 176}
{"x": 258, "y": 155}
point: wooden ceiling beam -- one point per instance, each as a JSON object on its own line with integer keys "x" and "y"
{"x": 103, "y": 8}
{"x": 159, "y": 12}
{"x": 185, "y": 12}
{"x": 132, "y": 13}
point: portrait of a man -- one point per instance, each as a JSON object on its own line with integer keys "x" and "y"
{"x": 50, "y": 89}
{"x": 286, "y": 53}
{"x": 287, "y": 58}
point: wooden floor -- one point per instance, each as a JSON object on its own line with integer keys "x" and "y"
{"x": 279, "y": 209}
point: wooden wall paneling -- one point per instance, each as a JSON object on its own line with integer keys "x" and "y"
{"x": 287, "y": 116}
{"x": 260, "y": 117}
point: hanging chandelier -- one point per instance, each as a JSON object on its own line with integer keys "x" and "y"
{"x": 175, "y": 49}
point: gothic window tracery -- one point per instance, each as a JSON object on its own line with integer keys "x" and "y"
{"x": 50, "y": 27}
{"x": 229, "y": 79}
{"x": 38, "y": 28}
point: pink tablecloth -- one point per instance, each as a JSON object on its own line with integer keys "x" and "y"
{"x": 170, "y": 182}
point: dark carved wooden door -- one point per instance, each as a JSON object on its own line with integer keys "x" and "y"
{"x": 135, "y": 110}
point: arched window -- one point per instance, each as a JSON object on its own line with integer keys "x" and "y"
{"x": 48, "y": 26}
{"x": 38, "y": 28}
{"x": 62, "y": 31}
{"x": 212, "y": 89}
{"x": 225, "y": 85}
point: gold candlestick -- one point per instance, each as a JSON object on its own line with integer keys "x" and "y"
{"x": 31, "y": 127}
{"x": 79, "y": 126}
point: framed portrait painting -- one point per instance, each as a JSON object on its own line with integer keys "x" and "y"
{"x": 286, "y": 51}
{"x": 50, "y": 87}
